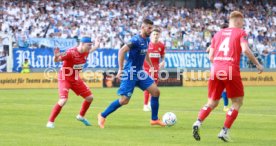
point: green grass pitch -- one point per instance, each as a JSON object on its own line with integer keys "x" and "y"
{"x": 24, "y": 113}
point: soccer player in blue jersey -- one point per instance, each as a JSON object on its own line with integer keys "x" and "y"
{"x": 132, "y": 74}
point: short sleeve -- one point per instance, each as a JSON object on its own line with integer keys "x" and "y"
{"x": 244, "y": 38}
{"x": 65, "y": 55}
{"x": 132, "y": 42}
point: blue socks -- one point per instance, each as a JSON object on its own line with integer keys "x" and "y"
{"x": 116, "y": 104}
{"x": 225, "y": 99}
{"x": 154, "y": 107}
{"x": 111, "y": 108}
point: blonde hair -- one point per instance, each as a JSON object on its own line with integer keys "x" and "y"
{"x": 236, "y": 14}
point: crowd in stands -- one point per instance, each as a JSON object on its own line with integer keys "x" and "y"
{"x": 115, "y": 21}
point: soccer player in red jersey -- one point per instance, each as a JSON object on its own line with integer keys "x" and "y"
{"x": 68, "y": 78}
{"x": 226, "y": 48}
{"x": 156, "y": 52}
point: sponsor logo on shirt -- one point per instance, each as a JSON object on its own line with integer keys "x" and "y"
{"x": 154, "y": 55}
{"x": 143, "y": 52}
{"x": 78, "y": 66}
{"x": 224, "y": 58}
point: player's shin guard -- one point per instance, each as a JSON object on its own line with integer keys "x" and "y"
{"x": 111, "y": 108}
{"x": 203, "y": 113}
{"x": 154, "y": 107}
{"x": 55, "y": 111}
{"x": 230, "y": 118}
{"x": 146, "y": 97}
{"x": 85, "y": 106}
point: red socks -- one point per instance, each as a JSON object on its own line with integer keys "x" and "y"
{"x": 84, "y": 108}
{"x": 230, "y": 118}
{"x": 203, "y": 113}
{"x": 55, "y": 111}
{"x": 146, "y": 98}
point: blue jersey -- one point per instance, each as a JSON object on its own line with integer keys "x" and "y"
{"x": 138, "y": 51}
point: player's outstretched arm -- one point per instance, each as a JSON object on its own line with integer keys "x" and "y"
{"x": 96, "y": 45}
{"x": 121, "y": 58}
{"x": 252, "y": 58}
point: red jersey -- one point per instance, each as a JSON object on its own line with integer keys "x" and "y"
{"x": 155, "y": 51}
{"x": 73, "y": 62}
{"x": 227, "y": 50}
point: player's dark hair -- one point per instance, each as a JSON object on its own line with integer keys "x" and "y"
{"x": 147, "y": 21}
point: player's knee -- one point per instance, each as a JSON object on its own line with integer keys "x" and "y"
{"x": 240, "y": 103}
{"x": 212, "y": 105}
{"x": 156, "y": 93}
{"x": 237, "y": 105}
{"x": 124, "y": 100}
{"x": 62, "y": 102}
{"x": 89, "y": 98}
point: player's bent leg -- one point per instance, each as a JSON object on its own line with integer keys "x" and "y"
{"x": 203, "y": 113}
{"x": 237, "y": 103}
{"x": 230, "y": 118}
{"x": 153, "y": 90}
{"x": 55, "y": 111}
{"x": 85, "y": 106}
{"x": 111, "y": 108}
{"x": 124, "y": 100}
{"x": 62, "y": 101}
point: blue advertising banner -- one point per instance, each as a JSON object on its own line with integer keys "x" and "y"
{"x": 181, "y": 59}
{"x": 44, "y": 58}
{"x": 63, "y": 44}
{"x": 108, "y": 58}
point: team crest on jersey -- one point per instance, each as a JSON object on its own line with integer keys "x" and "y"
{"x": 143, "y": 52}
{"x": 159, "y": 49}
{"x": 78, "y": 66}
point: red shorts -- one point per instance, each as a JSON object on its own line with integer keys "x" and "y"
{"x": 78, "y": 86}
{"x": 155, "y": 76}
{"x": 234, "y": 87}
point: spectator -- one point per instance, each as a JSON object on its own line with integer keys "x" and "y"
{"x": 70, "y": 19}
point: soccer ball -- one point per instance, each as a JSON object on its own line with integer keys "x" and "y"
{"x": 169, "y": 118}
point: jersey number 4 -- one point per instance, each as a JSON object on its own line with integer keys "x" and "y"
{"x": 224, "y": 46}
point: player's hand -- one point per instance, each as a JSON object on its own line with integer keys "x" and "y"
{"x": 162, "y": 64}
{"x": 260, "y": 68}
{"x": 119, "y": 74}
{"x": 56, "y": 51}
{"x": 152, "y": 71}
{"x": 208, "y": 49}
